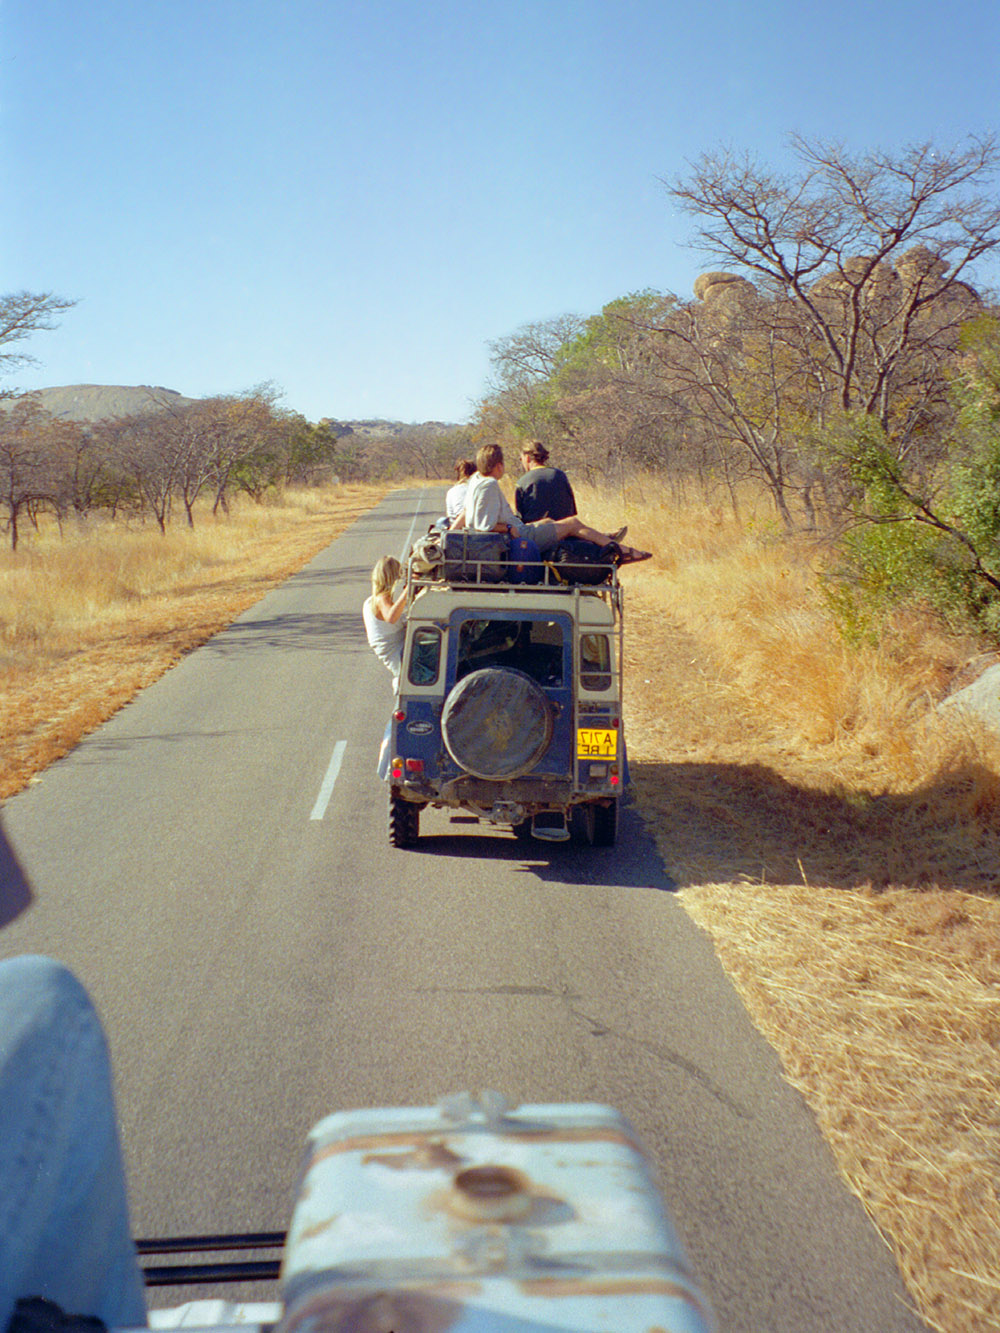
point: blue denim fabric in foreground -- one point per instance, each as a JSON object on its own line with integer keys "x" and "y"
{"x": 64, "y": 1226}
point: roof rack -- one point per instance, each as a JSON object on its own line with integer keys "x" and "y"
{"x": 481, "y": 575}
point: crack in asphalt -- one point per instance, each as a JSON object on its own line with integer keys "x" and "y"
{"x": 600, "y": 1029}
{"x": 669, "y": 1056}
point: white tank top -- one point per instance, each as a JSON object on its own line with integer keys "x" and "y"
{"x": 385, "y": 639}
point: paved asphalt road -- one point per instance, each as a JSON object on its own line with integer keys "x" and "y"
{"x": 261, "y": 957}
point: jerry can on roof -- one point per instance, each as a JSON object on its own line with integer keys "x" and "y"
{"x": 472, "y": 1217}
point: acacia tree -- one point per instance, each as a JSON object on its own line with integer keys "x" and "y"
{"x": 21, "y": 315}
{"x": 33, "y": 473}
{"x": 227, "y": 440}
{"x": 582, "y": 385}
{"x": 609, "y": 392}
{"x": 856, "y": 280}
{"x": 873, "y": 251}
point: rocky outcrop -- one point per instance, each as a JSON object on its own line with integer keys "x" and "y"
{"x": 722, "y": 286}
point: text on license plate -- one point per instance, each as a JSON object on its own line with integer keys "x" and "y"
{"x": 596, "y": 743}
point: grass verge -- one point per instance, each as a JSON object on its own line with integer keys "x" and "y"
{"x": 840, "y": 845}
{"x": 89, "y": 618}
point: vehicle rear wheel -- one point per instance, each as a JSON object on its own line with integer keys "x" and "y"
{"x": 404, "y": 821}
{"x": 605, "y": 824}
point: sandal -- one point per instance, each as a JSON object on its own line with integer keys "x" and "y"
{"x": 617, "y": 536}
{"x": 630, "y": 556}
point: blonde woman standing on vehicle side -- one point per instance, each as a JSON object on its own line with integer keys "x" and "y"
{"x": 383, "y": 616}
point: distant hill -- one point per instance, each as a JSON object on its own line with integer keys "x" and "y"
{"x": 380, "y": 430}
{"x": 96, "y": 402}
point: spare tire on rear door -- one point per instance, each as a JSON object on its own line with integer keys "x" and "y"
{"x": 497, "y": 723}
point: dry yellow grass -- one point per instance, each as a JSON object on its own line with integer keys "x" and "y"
{"x": 841, "y": 847}
{"x": 90, "y": 618}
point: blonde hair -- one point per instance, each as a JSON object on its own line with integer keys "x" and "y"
{"x": 488, "y": 457}
{"x": 384, "y": 575}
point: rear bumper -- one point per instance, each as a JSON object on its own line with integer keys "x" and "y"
{"x": 531, "y": 793}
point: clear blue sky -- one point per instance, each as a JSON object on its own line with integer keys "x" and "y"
{"x": 352, "y": 198}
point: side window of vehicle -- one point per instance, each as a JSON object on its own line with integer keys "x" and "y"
{"x": 595, "y": 661}
{"x": 425, "y": 656}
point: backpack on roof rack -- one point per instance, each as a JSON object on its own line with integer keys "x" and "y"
{"x": 524, "y": 561}
{"x": 427, "y": 553}
{"x": 576, "y": 560}
{"x": 475, "y": 557}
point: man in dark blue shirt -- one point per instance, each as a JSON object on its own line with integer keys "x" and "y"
{"x": 543, "y": 492}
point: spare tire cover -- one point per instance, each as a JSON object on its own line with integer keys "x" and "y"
{"x": 496, "y": 723}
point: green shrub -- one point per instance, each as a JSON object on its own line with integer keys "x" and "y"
{"x": 930, "y": 540}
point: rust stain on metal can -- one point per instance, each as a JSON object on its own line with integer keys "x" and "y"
{"x": 602, "y": 1288}
{"x": 491, "y": 1194}
{"x": 428, "y": 1156}
{"x": 402, "y": 1310}
{"x": 365, "y": 1143}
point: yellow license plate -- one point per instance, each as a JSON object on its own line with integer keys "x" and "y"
{"x": 596, "y": 743}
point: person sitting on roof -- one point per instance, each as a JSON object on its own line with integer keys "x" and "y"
{"x": 454, "y": 500}
{"x": 543, "y": 491}
{"x": 488, "y": 510}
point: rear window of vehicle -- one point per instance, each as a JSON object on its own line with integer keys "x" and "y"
{"x": 532, "y": 646}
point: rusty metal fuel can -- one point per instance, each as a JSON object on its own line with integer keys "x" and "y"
{"x": 475, "y": 1216}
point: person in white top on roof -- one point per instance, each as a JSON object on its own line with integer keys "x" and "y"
{"x": 454, "y": 500}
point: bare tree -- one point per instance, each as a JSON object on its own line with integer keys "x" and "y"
{"x": 33, "y": 472}
{"x": 531, "y": 353}
{"x": 21, "y": 315}
{"x": 731, "y": 367}
{"x": 523, "y": 364}
{"x": 140, "y": 452}
{"x": 874, "y": 251}
{"x": 853, "y": 280}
